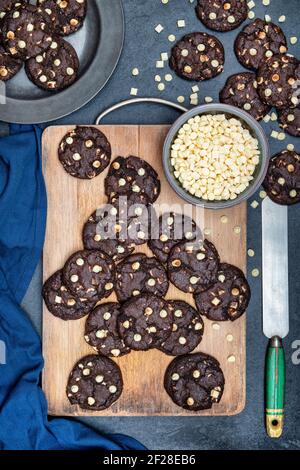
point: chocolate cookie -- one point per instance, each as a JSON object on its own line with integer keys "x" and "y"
{"x": 228, "y": 298}
{"x": 84, "y": 152}
{"x": 7, "y": 5}
{"x": 289, "y": 120}
{"x": 277, "y": 80}
{"x": 9, "y": 66}
{"x": 54, "y": 69}
{"x": 95, "y": 383}
{"x": 258, "y": 41}
{"x": 240, "y": 90}
{"x": 89, "y": 274}
{"x": 117, "y": 228}
{"x": 187, "y": 329}
{"x": 138, "y": 274}
{"x": 61, "y": 302}
{"x": 101, "y": 330}
{"x": 194, "y": 381}
{"x": 132, "y": 175}
{"x": 25, "y": 33}
{"x": 197, "y": 56}
{"x": 222, "y": 15}
{"x": 193, "y": 266}
{"x": 145, "y": 322}
{"x": 282, "y": 182}
{"x": 170, "y": 229}
{"x": 64, "y": 16}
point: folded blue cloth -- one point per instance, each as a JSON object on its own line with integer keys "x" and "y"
{"x": 23, "y": 409}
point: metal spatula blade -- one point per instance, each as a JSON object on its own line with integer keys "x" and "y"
{"x": 275, "y": 269}
{"x": 275, "y": 309}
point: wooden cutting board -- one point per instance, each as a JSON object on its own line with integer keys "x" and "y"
{"x": 70, "y": 203}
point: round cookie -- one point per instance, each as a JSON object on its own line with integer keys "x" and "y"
{"x": 117, "y": 228}
{"x": 89, "y": 274}
{"x": 54, "y": 69}
{"x": 64, "y": 16}
{"x": 187, "y": 329}
{"x": 137, "y": 274}
{"x": 282, "y": 182}
{"x": 240, "y": 90}
{"x": 258, "y": 41}
{"x": 170, "y": 229}
{"x": 197, "y": 56}
{"x": 228, "y": 298}
{"x": 194, "y": 381}
{"x": 84, "y": 152}
{"x": 95, "y": 383}
{"x": 193, "y": 266}
{"x": 222, "y": 15}
{"x": 289, "y": 120}
{"x": 9, "y": 66}
{"x": 101, "y": 330}
{"x": 25, "y": 33}
{"x": 61, "y": 302}
{"x": 145, "y": 322}
{"x": 132, "y": 175}
{"x": 277, "y": 80}
{"x": 7, "y": 5}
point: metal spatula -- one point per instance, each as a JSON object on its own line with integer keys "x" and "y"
{"x": 275, "y": 309}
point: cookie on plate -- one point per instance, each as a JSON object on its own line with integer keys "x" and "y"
{"x": 137, "y": 274}
{"x": 258, "y": 41}
{"x": 277, "y": 80}
{"x": 101, "y": 330}
{"x": 61, "y": 302}
{"x": 54, "y": 69}
{"x": 117, "y": 228}
{"x": 222, "y": 15}
{"x": 9, "y": 66}
{"x": 132, "y": 175}
{"x": 7, "y": 5}
{"x": 170, "y": 229}
{"x": 145, "y": 322}
{"x": 282, "y": 182}
{"x": 228, "y": 298}
{"x": 193, "y": 266}
{"x": 64, "y": 16}
{"x": 187, "y": 329}
{"x": 289, "y": 120}
{"x": 194, "y": 381}
{"x": 95, "y": 383}
{"x": 89, "y": 274}
{"x": 197, "y": 56}
{"x": 25, "y": 33}
{"x": 84, "y": 152}
{"x": 240, "y": 90}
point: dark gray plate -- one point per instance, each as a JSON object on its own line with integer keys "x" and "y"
{"x": 98, "y": 44}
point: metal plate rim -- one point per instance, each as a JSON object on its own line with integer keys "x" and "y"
{"x": 42, "y": 110}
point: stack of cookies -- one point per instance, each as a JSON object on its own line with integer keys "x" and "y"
{"x": 33, "y": 34}
{"x": 142, "y": 318}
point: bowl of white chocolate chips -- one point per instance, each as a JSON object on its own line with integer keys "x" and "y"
{"x": 215, "y": 156}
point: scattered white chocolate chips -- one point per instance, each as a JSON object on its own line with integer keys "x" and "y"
{"x": 255, "y": 272}
{"x": 159, "y": 28}
{"x": 214, "y": 157}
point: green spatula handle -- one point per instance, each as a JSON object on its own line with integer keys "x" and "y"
{"x": 275, "y": 387}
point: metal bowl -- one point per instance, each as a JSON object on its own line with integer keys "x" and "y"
{"x": 255, "y": 130}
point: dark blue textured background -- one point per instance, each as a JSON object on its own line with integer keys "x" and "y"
{"x": 142, "y": 48}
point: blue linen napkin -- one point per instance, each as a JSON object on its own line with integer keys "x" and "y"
{"x": 24, "y": 424}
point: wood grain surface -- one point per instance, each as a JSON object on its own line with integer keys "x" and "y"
{"x": 70, "y": 203}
